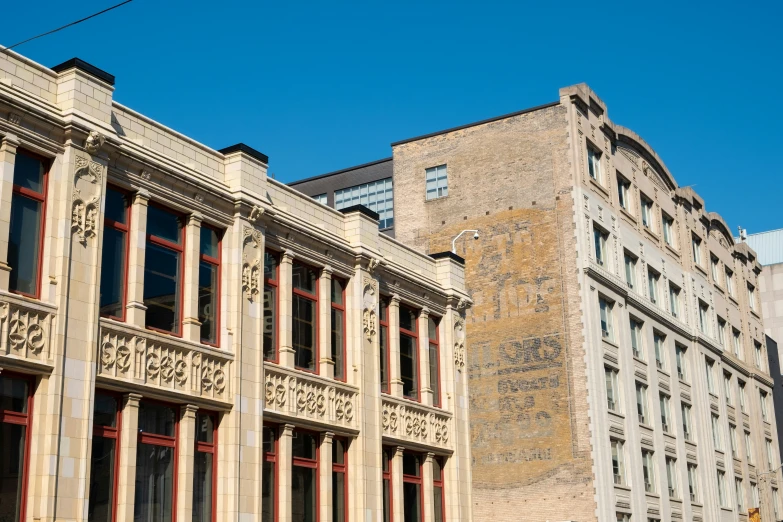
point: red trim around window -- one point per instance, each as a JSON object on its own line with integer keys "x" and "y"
{"x": 41, "y": 198}
{"x": 341, "y": 308}
{"x": 314, "y": 298}
{"x": 108, "y": 432}
{"x": 216, "y": 262}
{"x": 343, "y": 468}
{"x": 383, "y": 321}
{"x": 439, "y": 484}
{"x": 168, "y": 442}
{"x": 312, "y": 464}
{"x": 180, "y": 248}
{"x": 274, "y": 283}
{"x": 436, "y": 344}
{"x": 23, "y": 419}
{"x": 211, "y": 447}
{"x": 272, "y": 457}
{"x": 387, "y": 478}
{"x": 125, "y": 229}
{"x": 412, "y": 479}
{"x": 416, "y": 350}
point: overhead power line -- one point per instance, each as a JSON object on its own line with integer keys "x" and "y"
{"x": 66, "y": 26}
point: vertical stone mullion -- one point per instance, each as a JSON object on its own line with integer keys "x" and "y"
{"x": 422, "y": 325}
{"x": 285, "y": 300}
{"x": 284, "y": 465}
{"x": 395, "y": 379}
{"x": 7, "y": 162}
{"x": 326, "y": 362}
{"x": 427, "y": 487}
{"x": 185, "y": 461}
{"x": 397, "y": 486}
{"x": 137, "y": 248}
{"x": 127, "y": 447}
{"x": 325, "y": 476}
{"x": 191, "y": 327}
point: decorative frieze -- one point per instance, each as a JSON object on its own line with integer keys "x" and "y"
{"x": 87, "y": 188}
{"x": 459, "y": 342}
{"x": 251, "y": 263}
{"x": 370, "y": 305}
{"x": 25, "y": 330}
{"x": 409, "y": 421}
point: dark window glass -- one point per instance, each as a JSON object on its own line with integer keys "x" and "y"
{"x": 29, "y": 172}
{"x": 24, "y": 243}
{"x": 304, "y": 278}
{"x": 205, "y": 428}
{"x": 163, "y": 224}
{"x": 154, "y": 483}
{"x": 304, "y": 478}
{"x": 155, "y": 418}
{"x": 113, "y": 272}
{"x": 434, "y": 356}
{"x": 304, "y": 446}
{"x": 411, "y": 487}
{"x": 339, "y": 482}
{"x": 210, "y": 242}
{"x": 14, "y": 396}
{"x": 162, "y": 287}
{"x": 411, "y": 465}
{"x": 408, "y": 319}
{"x": 268, "y": 482}
{"x": 409, "y": 366}
{"x": 387, "y": 493}
{"x": 437, "y": 482}
{"x": 208, "y": 285}
{"x": 304, "y": 310}
{"x": 116, "y": 206}
{"x": 203, "y": 469}
{"x": 338, "y": 328}
{"x": 105, "y": 411}
{"x": 270, "y": 305}
{"x": 102, "y": 470}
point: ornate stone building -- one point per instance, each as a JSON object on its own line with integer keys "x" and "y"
{"x": 183, "y": 338}
{"x": 615, "y": 345}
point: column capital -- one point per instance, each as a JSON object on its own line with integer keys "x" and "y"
{"x": 429, "y": 456}
{"x": 326, "y": 272}
{"x": 424, "y": 313}
{"x": 287, "y": 430}
{"x": 394, "y": 300}
{"x": 142, "y": 197}
{"x": 195, "y": 219}
{"x": 189, "y": 409}
{"x": 132, "y": 399}
{"x": 9, "y": 143}
{"x": 399, "y": 450}
{"x": 288, "y": 256}
{"x": 327, "y": 436}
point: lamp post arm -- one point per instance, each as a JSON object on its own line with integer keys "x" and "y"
{"x": 454, "y": 241}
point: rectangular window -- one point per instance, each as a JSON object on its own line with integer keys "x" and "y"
{"x": 434, "y": 353}
{"x": 618, "y": 462}
{"x": 680, "y": 353}
{"x": 754, "y": 494}
{"x": 733, "y": 441}
{"x": 163, "y": 270}
{"x": 204, "y": 476}
{"x": 727, "y": 387}
{"x": 696, "y": 247}
{"x": 730, "y": 282}
{"x": 384, "y": 363}
{"x": 630, "y": 270}
{"x": 612, "y": 389}
{"x": 659, "y": 342}
{"x": 209, "y": 285}
{"x": 409, "y": 353}
{"x": 742, "y": 396}
{"x": 738, "y": 492}
{"x": 737, "y": 342}
{"x": 104, "y": 464}
{"x": 413, "y": 500}
{"x": 763, "y": 400}
{"x": 339, "y": 480}
{"x": 716, "y": 439}
{"x": 648, "y": 471}
{"x": 271, "y": 278}
{"x": 664, "y": 404}
{"x": 776, "y": 503}
{"x": 623, "y": 517}
{"x": 770, "y": 455}
{"x": 671, "y": 477}
{"x": 652, "y": 284}
{"x": 668, "y": 229}
{"x": 686, "y": 422}
{"x": 321, "y": 198}
{"x": 594, "y": 164}
{"x": 751, "y": 297}
{"x": 25, "y": 235}
{"x": 714, "y": 268}
{"x": 16, "y": 404}
{"x": 607, "y": 331}
{"x": 386, "y": 458}
{"x": 114, "y": 256}
{"x": 748, "y": 448}
{"x": 269, "y": 479}
{"x": 304, "y": 477}
{"x": 437, "y": 182}
{"x": 722, "y": 499}
{"x": 641, "y": 402}
{"x": 439, "y": 502}
{"x": 156, "y": 462}
{"x": 378, "y": 196}
{"x": 637, "y": 343}
{"x": 647, "y": 212}
{"x": 624, "y": 193}
{"x": 338, "y": 328}
{"x": 601, "y": 254}
{"x": 758, "y": 355}
{"x": 693, "y": 482}
{"x": 305, "y": 317}
{"x": 704, "y": 318}
{"x": 721, "y": 331}
{"x": 710, "y": 374}
{"x": 674, "y": 300}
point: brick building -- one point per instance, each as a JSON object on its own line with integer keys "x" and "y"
{"x": 183, "y": 338}
{"x": 615, "y": 345}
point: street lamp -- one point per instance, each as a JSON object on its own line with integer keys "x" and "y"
{"x": 454, "y": 241}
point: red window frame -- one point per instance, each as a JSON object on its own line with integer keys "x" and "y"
{"x": 22, "y": 419}
{"x": 216, "y": 262}
{"x": 412, "y": 479}
{"x": 168, "y": 442}
{"x": 311, "y": 464}
{"x": 125, "y": 229}
{"x": 436, "y": 397}
{"x": 387, "y": 482}
{"x": 343, "y": 468}
{"x": 41, "y": 198}
{"x": 415, "y": 336}
{"x": 440, "y": 484}
{"x": 181, "y": 250}
{"x": 276, "y": 305}
{"x": 315, "y": 299}
{"x": 108, "y": 432}
{"x": 383, "y": 321}
{"x": 273, "y": 458}
{"x": 210, "y": 447}
{"x": 335, "y": 306}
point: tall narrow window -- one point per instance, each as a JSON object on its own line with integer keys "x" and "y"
{"x": 304, "y": 477}
{"x": 730, "y": 282}
{"x": 736, "y": 340}
{"x": 696, "y": 245}
{"x": 439, "y": 500}
{"x": 709, "y": 368}
{"x": 594, "y": 164}
{"x": 271, "y": 278}
{"x": 413, "y": 501}
{"x": 648, "y": 471}
{"x": 686, "y": 422}
{"x": 665, "y": 415}
{"x": 25, "y": 236}
{"x": 770, "y": 455}
{"x": 693, "y": 482}
{"x": 652, "y": 284}
{"x": 624, "y": 193}
{"x": 733, "y": 441}
{"x": 104, "y": 465}
{"x": 434, "y": 353}
{"x": 721, "y": 331}
{"x": 339, "y": 480}
{"x": 304, "y": 311}
{"x": 668, "y": 229}
{"x": 641, "y": 402}
{"x": 630, "y": 270}
{"x": 607, "y": 330}
{"x": 659, "y": 341}
{"x": 742, "y": 396}
{"x": 674, "y": 300}
{"x": 409, "y": 353}
{"x": 748, "y": 448}
{"x": 704, "y": 318}
{"x": 163, "y": 268}
{"x": 722, "y": 498}
{"x": 156, "y": 463}
{"x": 714, "y": 262}
{"x": 776, "y": 503}
{"x": 754, "y": 494}
{"x": 647, "y": 211}
{"x": 682, "y": 361}
{"x": 116, "y": 225}
{"x": 763, "y": 400}
{"x": 757, "y": 353}
{"x": 671, "y": 477}
{"x": 386, "y": 458}
{"x": 209, "y": 285}
{"x": 637, "y": 345}
{"x": 618, "y": 462}
{"x": 739, "y": 493}
{"x": 16, "y": 404}
{"x": 338, "y": 328}
{"x": 269, "y": 479}
{"x": 612, "y": 389}
{"x": 727, "y": 388}
{"x": 716, "y": 439}
{"x": 599, "y": 238}
{"x": 751, "y": 297}
{"x": 437, "y": 182}
{"x": 204, "y": 476}
{"x": 384, "y": 362}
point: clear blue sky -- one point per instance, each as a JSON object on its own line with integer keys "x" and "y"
{"x": 320, "y": 86}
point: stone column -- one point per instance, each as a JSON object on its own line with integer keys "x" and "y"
{"x": 396, "y": 485}
{"x": 422, "y": 325}
{"x": 325, "y": 477}
{"x": 326, "y": 364}
{"x": 191, "y": 327}
{"x": 186, "y": 449}
{"x": 136, "y": 252}
{"x": 129, "y": 436}
{"x": 284, "y": 464}
{"x": 395, "y": 381}
{"x": 7, "y": 161}
{"x": 285, "y": 321}
{"x": 427, "y": 489}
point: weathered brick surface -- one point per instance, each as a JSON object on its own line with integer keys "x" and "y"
{"x": 511, "y": 180}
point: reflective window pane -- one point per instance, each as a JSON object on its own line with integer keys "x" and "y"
{"x": 161, "y": 288}
{"x": 208, "y": 301}
{"x": 270, "y": 321}
{"x": 101, "y": 501}
{"x": 154, "y": 483}
{"x": 303, "y": 494}
{"x": 112, "y": 272}
{"x": 12, "y": 443}
{"x": 409, "y": 367}
{"x": 163, "y": 224}
{"x": 205, "y": 428}
{"x": 304, "y": 278}
{"x": 338, "y": 343}
{"x": 105, "y": 412}
{"x": 268, "y": 487}
{"x": 29, "y": 172}
{"x": 116, "y": 206}
{"x": 412, "y": 502}
{"x": 202, "y": 487}
{"x": 210, "y": 241}
{"x": 24, "y": 242}
{"x": 156, "y": 418}
{"x": 338, "y": 497}
{"x": 408, "y": 318}
{"x": 13, "y": 394}
{"x": 304, "y": 445}
{"x": 270, "y": 266}
{"x": 304, "y": 332}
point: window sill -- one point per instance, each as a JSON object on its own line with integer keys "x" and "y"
{"x": 599, "y": 186}
{"x": 439, "y": 198}
{"x": 701, "y": 269}
{"x": 733, "y": 299}
{"x": 755, "y": 314}
{"x": 623, "y": 487}
{"x": 627, "y": 214}
{"x": 719, "y": 288}
{"x": 649, "y": 231}
{"x": 610, "y": 342}
{"x": 673, "y": 251}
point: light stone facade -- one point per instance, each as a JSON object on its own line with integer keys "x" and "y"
{"x": 67, "y": 351}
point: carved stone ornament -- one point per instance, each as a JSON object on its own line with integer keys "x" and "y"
{"x": 251, "y": 263}
{"x": 462, "y": 304}
{"x": 94, "y": 142}
{"x": 373, "y": 264}
{"x": 145, "y": 174}
{"x": 14, "y": 118}
{"x": 459, "y": 343}
{"x": 369, "y": 305}
{"x": 87, "y": 187}
{"x": 256, "y": 213}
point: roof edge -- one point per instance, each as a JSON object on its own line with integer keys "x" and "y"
{"x": 341, "y": 171}
{"x": 250, "y": 151}
{"x": 78, "y": 63}
{"x": 448, "y": 255}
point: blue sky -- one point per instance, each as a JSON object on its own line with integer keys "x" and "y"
{"x": 320, "y": 86}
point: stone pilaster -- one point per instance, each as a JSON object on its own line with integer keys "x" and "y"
{"x": 284, "y": 465}
{"x": 7, "y": 160}
{"x": 422, "y": 325}
{"x": 285, "y": 303}
{"x": 326, "y": 364}
{"x": 137, "y": 248}
{"x": 427, "y": 488}
{"x": 398, "y": 514}
{"x": 395, "y": 379}
{"x": 325, "y": 476}
{"x": 191, "y": 327}
{"x": 129, "y": 436}
{"x": 186, "y": 448}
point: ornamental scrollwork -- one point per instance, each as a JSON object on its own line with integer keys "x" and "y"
{"x": 251, "y": 263}
{"x": 369, "y": 300}
{"x": 26, "y": 331}
{"x": 459, "y": 343}
{"x": 87, "y": 187}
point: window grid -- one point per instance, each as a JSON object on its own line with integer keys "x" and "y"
{"x": 437, "y": 182}
{"x": 209, "y": 285}
{"x": 115, "y": 280}
{"x": 271, "y": 304}
{"x": 378, "y": 196}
